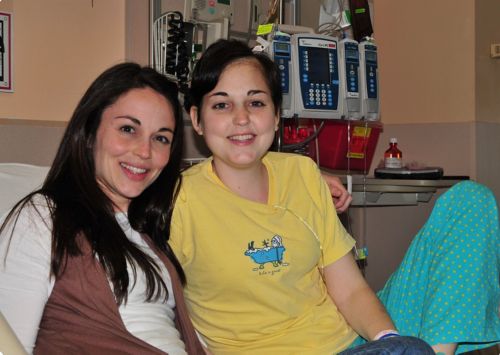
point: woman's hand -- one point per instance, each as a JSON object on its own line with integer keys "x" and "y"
{"x": 341, "y": 198}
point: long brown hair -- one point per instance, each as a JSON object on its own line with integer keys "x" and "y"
{"x": 80, "y": 208}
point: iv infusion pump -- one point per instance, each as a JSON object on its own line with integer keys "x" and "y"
{"x": 323, "y": 77}
{"x": 349, "y": 78}
{"x": 281, "y": 52}
{"x": 369, "y": 81}
{"x": 317, "y": 80}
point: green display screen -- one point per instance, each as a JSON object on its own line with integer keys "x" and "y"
{"x": 224, "y": 2}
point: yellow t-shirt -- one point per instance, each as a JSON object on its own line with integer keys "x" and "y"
{"x": 253, "y": 279}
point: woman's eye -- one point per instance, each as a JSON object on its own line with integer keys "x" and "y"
{"x": 257, "y": 103}
{"x": 127, "y": 129}
{"x": 163, "y": 140}
{"x": 220, "y": 106}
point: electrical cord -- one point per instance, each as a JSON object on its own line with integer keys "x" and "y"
{"x": 177, "y": 61}
{"x": 333, "y": 29}
{"x": 299, "y": 145}
{"x": 272, "y": 14}
{"x": 361, "y": 240}
{"x": 174, "y": 37}
{"x": 309, "y": 227}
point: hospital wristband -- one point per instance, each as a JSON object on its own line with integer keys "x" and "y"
{"x": 386, "y": 334}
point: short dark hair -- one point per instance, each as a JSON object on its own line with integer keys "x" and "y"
{"x": 216, "y": 58}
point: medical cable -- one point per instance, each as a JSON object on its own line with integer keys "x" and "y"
{"x": 304, "y": 222}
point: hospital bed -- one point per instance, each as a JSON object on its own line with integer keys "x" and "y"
{"x": 16, "y": 180}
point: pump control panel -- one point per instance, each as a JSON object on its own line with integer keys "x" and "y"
{"x": 317, "y": 81}
{"x": 369, "y": 80}
{"x": 349, "y": 78}
{"x": 281, "y": 52}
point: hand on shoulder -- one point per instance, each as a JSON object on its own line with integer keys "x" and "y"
{"x": 341, "y": 197}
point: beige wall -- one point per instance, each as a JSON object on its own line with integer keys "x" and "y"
{"x": 488, "y": 155}
{"x": 487, "y": 93}
{"x": 29, "y": 142}
{"x": 439, "y": 85}
{"x": 59, "y": 47}
{"x": 426, "y": 57}
{"x": 426, "y": 60}
{"x": 487, "y": 69}
{"x": 137, "y": 31}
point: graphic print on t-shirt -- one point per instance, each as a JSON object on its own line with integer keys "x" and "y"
{"x": 270, "y": 253}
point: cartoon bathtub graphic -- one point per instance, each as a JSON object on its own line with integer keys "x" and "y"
{"x": 268, "y": 254}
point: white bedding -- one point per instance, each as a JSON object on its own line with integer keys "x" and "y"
{"x": 17, "y": 180}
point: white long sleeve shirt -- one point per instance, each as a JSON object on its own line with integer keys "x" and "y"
{"x": 25, "y": 283}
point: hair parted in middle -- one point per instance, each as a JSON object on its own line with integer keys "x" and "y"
{"x": 79, "y": 207}
{"x": 216, "y": 58}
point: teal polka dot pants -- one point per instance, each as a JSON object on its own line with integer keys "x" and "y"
{"x": 446, "y": 289}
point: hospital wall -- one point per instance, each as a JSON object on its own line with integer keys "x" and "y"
{"x": 439, "y": 89}
{"x": 439, "y": 86}
{"x": 59, "y": 47}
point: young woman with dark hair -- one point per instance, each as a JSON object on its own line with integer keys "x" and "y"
{"x": 269, "y": 266}
{"x": 85, "y": 266}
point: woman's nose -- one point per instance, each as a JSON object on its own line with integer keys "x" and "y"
{"x": 143, "y": 149}
{"x": 241, "y": 116}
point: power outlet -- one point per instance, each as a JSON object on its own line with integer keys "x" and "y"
{"x": 495, "y": 50}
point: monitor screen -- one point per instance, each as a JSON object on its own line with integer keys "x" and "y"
{"x": 351, "y": 54}
{"x": 371, "y": 56}
{"x": 319, "y": 65}
{"x": 282, "y": 46}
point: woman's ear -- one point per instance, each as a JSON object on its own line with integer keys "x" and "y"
{"x": 195, "y": 120}
{"x": 277, "y": 122}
